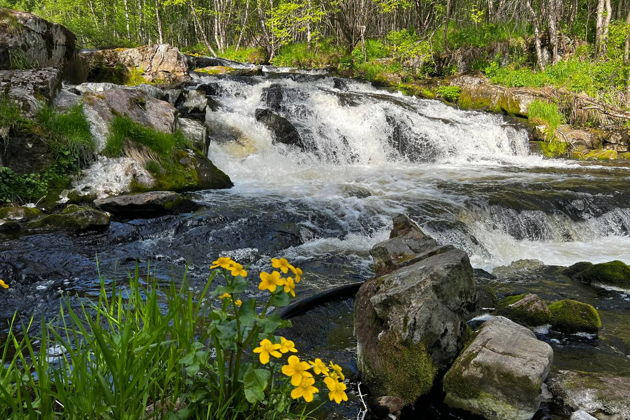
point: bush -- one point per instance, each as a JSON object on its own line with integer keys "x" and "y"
{"x": 142, "y": 351}
{"x": 372, "y": 49}
{"x": 542, "y": 112}
{"x": 254, "y": 55}
{"x": 450, "y": 93}
{"x": 301, "y": 54}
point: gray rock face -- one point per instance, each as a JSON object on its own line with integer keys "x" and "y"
{"x": 31, "y": 89}
{"x": 500, "y": 374}
{"x": 195, "y": 132}
{"x": 158, "y": 64}
{"x": 281, "y": 129}
{"x": 527, "y": 309}
{"x": 28, "y": 42}
{"x": 604, "y": 397}
{"x": 100, "y": 109}
{"x": 582, "y": 415}
{"x": 149, "y": 204}
{"x": 410, "y": 323}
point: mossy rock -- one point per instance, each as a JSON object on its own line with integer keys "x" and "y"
{"x": 571, "y": 316}
{"x": 613, "y": 273}
{"x": 73, "y": 218}
{"x": 526, "y": 309}
{"x": 600, "y": 154}
{"x": 19, "y": 213}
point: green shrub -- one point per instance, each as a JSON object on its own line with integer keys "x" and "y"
{"x": 145, "y": 351}
{"x": 372, "y": 49}
{"x": 542, "y": 112}
{"x": 301, "y": 54}
{"x": 449, "y": 93}
{"x": 254, "y": 55}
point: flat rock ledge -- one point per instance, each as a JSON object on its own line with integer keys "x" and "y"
{"x": 149, "y": 204}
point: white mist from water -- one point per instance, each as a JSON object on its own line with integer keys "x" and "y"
{"x": 359, "y": 170}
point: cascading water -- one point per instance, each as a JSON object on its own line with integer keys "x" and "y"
{"x": 467, "y": 177}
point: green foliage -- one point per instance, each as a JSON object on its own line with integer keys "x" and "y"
{"x": 479, "y": 35}
{"x": 547, "y": 113}
{"x": 554, "y": 148}
{"x": 408, "y": 48}
{"x": 252, "y": 55}
{"x": 450, "y": 93}
{"x": 316, "y": 55}
{"x": 10, "y": 115}
{"x": 69, "y": 132}
{"x": 291, "y": 17}
{"x": 372, "y": 49}
{"x": 142, "y": 350}
{"x": 124, "y": 130}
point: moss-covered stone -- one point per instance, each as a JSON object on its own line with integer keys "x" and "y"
{"x": 19, "y": 213}
{"x": 612, "y": 273}
{"x": 73, "y": 218}
{"x": 601, "y": 154}
{"x": 526, "y": 309}
{"x": 571, "y": 316}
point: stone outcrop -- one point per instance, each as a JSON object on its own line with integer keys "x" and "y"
{"x": 527, "y": 309}
{"x": 73, "y": 218}
{"x": 500, "y": 374}
{"x": 281, "y": 129}
{"x": 158, "y": 64}
{"x": 612, "y": 273}
{"x": 30, "y": 42}
{"x": 31, "y": 89}
{"x": 149, "y": 204}
{"x": 410, "y": 323}
{"x": 605, "y": 397}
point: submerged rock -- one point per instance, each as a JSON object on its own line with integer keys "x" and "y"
{"x": 603, "y": 396}
{"x": 571, "y": 316}
{"x": 526, "y": 309}
{"x": 500, "y": 374}
{"x": 613, "y": 273}
{"x": 149, "y": 204}
{"x": 73, "y": 218}
{"x": 410, "y": 323}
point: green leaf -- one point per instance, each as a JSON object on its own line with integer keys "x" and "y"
{"x": 280, "y": 299}
{"x": 255, "y": 382}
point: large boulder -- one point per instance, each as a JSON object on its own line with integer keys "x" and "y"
{"x": 73, "y": 218}
{"x": 31, "y": 89}
{"x": 612, "y": 273}
{"x": 410, "y": 323}
{"x": 281, "y": 129}
{"x": 158, "y": 64}
{"x": 604, "y": 396}
{"x": 571, "y": 316}
{"x": 30, "y": 42}
{"x": 500, "y": 374}
{"x": 149, "y": 204}
{"x": 527, "y": 309}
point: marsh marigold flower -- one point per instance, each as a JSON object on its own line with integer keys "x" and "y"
{"x": 270, "y": 281}
{"x": 296, "y": 370}
{"x": 297, "y": 273}
{"x": 225, "y": 296}
{"x": 319, "y": 367}
{"x": 282, "y": 264}
{"x": 337, "y": 372}
{"x": 337, "y": 390}
{"x": 305, "y": 390}
{"x": 287, "y": 346}
{"x": 289, "y": 286}
{"x": 236, "y": 270}
{"x": 223, "y": 262}
{"x": 266, "y": 349}
{"x": 3, "y": 284}
{"x": 238, "y": 302}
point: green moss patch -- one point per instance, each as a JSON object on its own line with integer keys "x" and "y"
{"x": 571, "y": 316}
{"x": 613, "y": 273}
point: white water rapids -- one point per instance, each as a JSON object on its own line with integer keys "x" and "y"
{"x": 357, "y": 172}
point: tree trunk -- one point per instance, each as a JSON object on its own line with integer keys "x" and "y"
{"x": 446, "y": 21}
{"x": 159, "y": 22}
{"x": 553, "y": 11}
{"x": 539, "y": 54}
{"x": 626, "y": 51}
{"x": 204, "y": 37}
{"x": 127, "y": 26}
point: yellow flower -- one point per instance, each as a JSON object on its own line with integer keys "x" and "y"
{"x": 298, "y": 273}
{"x": 225, "y": 296}
{"x": 281, "y": 263}
{"x": 297, "y": 370}
{"x": 337, "y": 390}
{"x": 266, "y": 349}
{"x": 237, "y": 270}
{"x": 287, "y": 346}
{"x": 3, "y": 284}
{"x": 289, "y": 286}
{"x": 238, "y": 302}
{"x": 223, "y": 262}
{"x": 270, "y": 281}
{"x": 319, "y": 367}
{"x": 337, "y": 372}
{"x": 305, "y": 390}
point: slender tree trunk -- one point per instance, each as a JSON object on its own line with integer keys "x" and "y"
{"x": 537, "y": 44}
{"x": 552, "y": 13}
{"x": 127, "y": 26}
{"x": 159, "y": 22}
{"x": 446, "y": 21}
{"x": 204, "y": 37}
{"x": 626, "y": 51}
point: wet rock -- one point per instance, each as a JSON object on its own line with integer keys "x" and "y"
{"x": 603, "y": 396}
{"x": 571, "y": 316}
{"x": 31, "y": 89}
{"x": 27, "y": 42}
{"x": 390, "y": 406}
{"x": 281, "y": 129}
{"x": 160, "y": 64}
{"x": 196, "y": 132}
{"x": 526, "y": 309}
{"x": 340, "y": 84}
{"x": 194, "y": 102}
{"x": 272, "y": 96}
{"x": 27, "y": 151}
{"x": 100, "y": 109}
{"x": 407, "y": 244}
{"x": 612, "y": 273}
{"x": 500, "y": 374}
{"x": 111, "y": 176}
{"x": 73, "y": 218}
{"x": 149, "y": 204}
{"x": 410, "y": 323}
{"x": 582, "y": 415}
{"x": 19, "y": 213}
{"x": 206, "y": 174}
